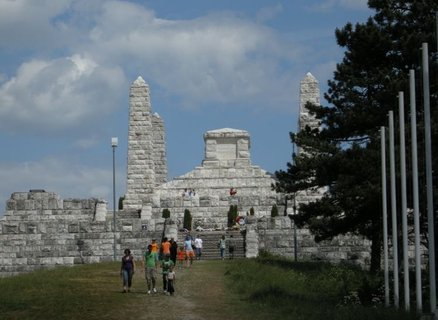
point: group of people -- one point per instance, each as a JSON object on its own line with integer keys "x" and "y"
{"x": 165, "y": 256}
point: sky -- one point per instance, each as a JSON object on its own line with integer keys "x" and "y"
{"x": 66, "y": 67}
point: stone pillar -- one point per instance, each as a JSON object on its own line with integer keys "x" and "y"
{"x": 309, "y": 92}
{"x": 101, "y": 211}
{"x": 141, "y": 170}
{"x": 159, "y": 155}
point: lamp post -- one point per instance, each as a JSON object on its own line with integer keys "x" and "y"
{"x": 114, "y": 143}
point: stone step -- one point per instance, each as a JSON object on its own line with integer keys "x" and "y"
{"x": 210, "y": 240}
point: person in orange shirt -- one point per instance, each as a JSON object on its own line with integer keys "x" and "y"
{"x": 154, "y": 247}
{"x": 165, "y": 247}
{"x": 181, "y": 256}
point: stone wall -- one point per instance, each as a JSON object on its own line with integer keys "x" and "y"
{"x": 40, "y": 230}
{"x": 276, "y": 235}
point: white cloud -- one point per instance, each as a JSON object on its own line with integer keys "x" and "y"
{"x": 69, "y": 180}
{"x": 61, "y": 93}
{"x": 216, "y": 58}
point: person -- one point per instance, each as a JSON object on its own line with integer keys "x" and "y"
{"x": 171, "y": 280}
{"x": 181, "y": 256}
{"x": 154, "y": 245}
{"x": 188, "y": 248}
{"x": 198, "y": 247}
{"x": 165, "y": 247}
{"x": 233, "y": 191}
{"x": 127, "y": 270}
{"x": 150, "y": 267}
{"x": 165, "y": 266}
{"x": 173, "y": 250}
{"x": 231, "y": 245}
{"x": 222, "y": 246}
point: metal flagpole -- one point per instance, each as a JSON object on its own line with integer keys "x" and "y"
{"x": 385, "y": 215}
{"x": 415, "y": 192}
{"x": 429, "y": 183}
{"x": 393, "y": 209}
{"x": 404, "y": 206}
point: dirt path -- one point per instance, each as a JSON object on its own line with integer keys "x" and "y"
{"x": 199, "y": 294}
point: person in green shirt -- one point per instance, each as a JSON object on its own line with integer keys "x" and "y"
{"x": 166, "y": 264}
{"x": 150, "y": 267}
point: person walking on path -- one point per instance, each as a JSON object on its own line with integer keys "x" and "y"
{"x": 222, "y": 245}
{"x": 188, "y": 248}
{"x": 181, "y": 257}
{"x": 127, "y": 270}
{"x": 154, "y": 245}
{"x": 166, "y": 264}
{"x": 165, "y": 247}
{"x": 198, "y": 247}
{"x": 173, "y": 250}
{"x": 231, "y": 245}
{"x": 171, "y": 281}
{"x": 150, "y": 267}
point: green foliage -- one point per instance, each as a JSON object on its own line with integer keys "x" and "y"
{"x": 251, "y": 211}
{"x": 232, "y": 215}
{"x": 166, "y": 213}
{"x": 343, "y": 155}
{"x": 187, "y": 223}
{"x": 121, "y": 199}
{"x": 307, "y": 290}
{"x": 274, "y": 211}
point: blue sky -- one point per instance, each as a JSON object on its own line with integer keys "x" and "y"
{"x": 66, "y": 67}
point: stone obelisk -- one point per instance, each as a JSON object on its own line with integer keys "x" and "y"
{"x": 309, "y": 92}
{"x": 147, "y": 165}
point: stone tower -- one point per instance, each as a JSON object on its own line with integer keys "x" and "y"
{"x": 309, "y": 92}
{"x": 147, "y": 165}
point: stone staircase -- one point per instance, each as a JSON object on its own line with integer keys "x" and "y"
{"x": 210, "y": 239}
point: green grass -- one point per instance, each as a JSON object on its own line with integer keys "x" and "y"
{"x": 263, "y": 288}
{"x": 307, "y": 290}
{"x": 62, "y": 293}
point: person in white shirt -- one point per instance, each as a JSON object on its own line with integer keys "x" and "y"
{"x": 198, "y": 247}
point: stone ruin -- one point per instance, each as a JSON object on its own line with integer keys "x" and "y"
{"x": 40, "y": 230}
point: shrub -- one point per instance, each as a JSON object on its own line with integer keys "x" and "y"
{"x": 274, "y": 211}
{"x": 187, "y": 219}
{"x": 232, "y": 215}
{"x": 166, "y": 213}
{"x": 121, "y": 202}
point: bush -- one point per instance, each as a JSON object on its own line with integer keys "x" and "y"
{"x": 187, "y": 219}
{"x": 274, "y": 211}
{"x": 232, "y": 215}
{"x": 121, "y": 202}
{"x": 166, "y": 213}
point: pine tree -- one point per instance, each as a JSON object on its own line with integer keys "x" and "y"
{"x": 344, "y": 154}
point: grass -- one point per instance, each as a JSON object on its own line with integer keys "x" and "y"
{"x": 309, "y": 290}
{"x": 264, "y": 288}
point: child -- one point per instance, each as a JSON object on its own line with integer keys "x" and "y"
{"x": 171, "y": 281}
{"x": 166, "y": 264}
{"x": 181, "y": 256}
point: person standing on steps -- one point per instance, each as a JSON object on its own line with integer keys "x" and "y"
{"x": 198, "y": 247}
{"x": 150, "y": 267}
{"x": 222, "y": 245}
{"x": 127, "y": 270}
